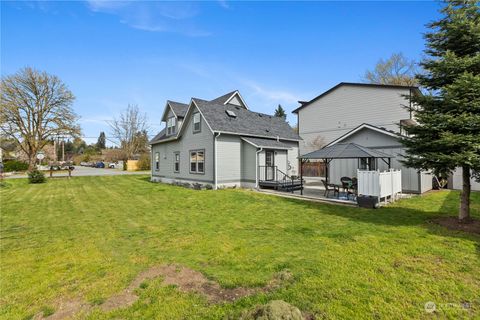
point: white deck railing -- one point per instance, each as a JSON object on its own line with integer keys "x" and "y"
{"x": 386, "y": 184}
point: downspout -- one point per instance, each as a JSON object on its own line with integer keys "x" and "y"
{"x": 216, "y": 151}
{"x": 256, "y": 166}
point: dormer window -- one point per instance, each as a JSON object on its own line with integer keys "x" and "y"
{"x": 197, "y": 127}
{"x": 171, "y": 125}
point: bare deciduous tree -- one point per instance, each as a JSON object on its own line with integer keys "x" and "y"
{"x": 396, "y": 70}
{"x": 317, "y": 143}
{"x": 36, "y": 107}
{"x": 129, "y": 130}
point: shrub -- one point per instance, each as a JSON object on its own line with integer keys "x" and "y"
{"x": 144, "y": 162}
{"x": 14, "y": 165}
{"x": 36, "y": 176}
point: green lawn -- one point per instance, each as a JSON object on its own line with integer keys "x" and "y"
{"x": 88, "y": 237}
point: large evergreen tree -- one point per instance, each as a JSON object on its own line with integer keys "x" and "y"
{"x": 280, "y": 112}
{"x": 448, "y": 132}
{"x": 101, "y": 141}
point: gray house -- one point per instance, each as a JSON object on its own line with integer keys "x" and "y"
{"x": 222, "y": 143}
{"x": 370, "y": 115}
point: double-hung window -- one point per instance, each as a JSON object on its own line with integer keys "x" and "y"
{"x": 197, "y": 161}
{"x": 157, "y": 160}
{"x": 171, "y": 125}
{"x": 176, "y": 164}
{"x": 197, "y": 126}
{"x": 368, "y": 164}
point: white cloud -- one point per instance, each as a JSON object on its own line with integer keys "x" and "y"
{"x": 271, "y": 95}
{"x": 153, "y": 16}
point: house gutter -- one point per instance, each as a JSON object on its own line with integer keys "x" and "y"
{"x": 256, "y": 166}
{"x": 216, "y": 152}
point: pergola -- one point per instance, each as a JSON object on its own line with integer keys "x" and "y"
{"x": 344, "y": 151}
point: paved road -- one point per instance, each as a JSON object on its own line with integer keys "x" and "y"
{"x": 88, "y": 171}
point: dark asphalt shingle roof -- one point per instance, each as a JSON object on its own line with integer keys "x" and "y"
{"x": 246, "y": 122}
{"x": 345, "y": 151}
{"x": 224, "y": 98}
{"x": 160, "y": 136}
{"x": 178, "y": 108}
{"x": 267, "y": 143}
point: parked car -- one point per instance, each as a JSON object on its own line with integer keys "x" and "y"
{"x": 100, "y": 164}
{"x": 113, "y": 165}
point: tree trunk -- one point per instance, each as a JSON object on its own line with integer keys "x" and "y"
{"x": 464, "y": 213}
{"x": 31, "y": 161}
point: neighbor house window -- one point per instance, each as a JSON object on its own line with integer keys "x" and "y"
{"x": 197, "y": 161}
{"x": 171, "y": 125}
{"x": 196, "y": 122}
{"x": 157, "y": 160}
{"x": 176, "y": 165}
{"x": 367, "y": 164}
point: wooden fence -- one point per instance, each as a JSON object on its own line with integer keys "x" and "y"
{"x": 313, "y": 169}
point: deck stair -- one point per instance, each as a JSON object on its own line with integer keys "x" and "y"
{"x": 274, "y": 178}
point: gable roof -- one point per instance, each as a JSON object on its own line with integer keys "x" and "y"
{"x": 246, "y": 122}
{"x": 372, "y": 85}
{"x": 345, "y": 151}
{"x": 226, "y": 98}
{"x": 363, "y": 126}
{"x": 178, "y": 108}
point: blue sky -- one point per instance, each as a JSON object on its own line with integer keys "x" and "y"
{"x": 112, "y": 54}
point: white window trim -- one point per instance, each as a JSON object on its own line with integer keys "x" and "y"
{"x": 199, "y": 122}
{"x": 196, "y": 162}
{"x": 157, "y": 161}
{"x": 175, "y": 161}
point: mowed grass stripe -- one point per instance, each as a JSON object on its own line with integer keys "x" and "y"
{"x": 88, "y": 237}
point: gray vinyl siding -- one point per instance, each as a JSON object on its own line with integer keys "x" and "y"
{"x": 189, "y": 141}
{"x": 348, "y": 107}
{"x": 229, "y": 159}
{"x": 249, "y": 153}
{"x": 412, "y": 180}
{"x": 236, "y": 159}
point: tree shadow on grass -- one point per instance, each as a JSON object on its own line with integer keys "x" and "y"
{"x": 416, "y": 211}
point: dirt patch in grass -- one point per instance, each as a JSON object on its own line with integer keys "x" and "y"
{"x": 453, "y": 223}
{"x": 187, "y": 280}
{"x": 66, "y": 310}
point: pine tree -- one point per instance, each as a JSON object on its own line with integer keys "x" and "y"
{"x": 448, "y": 115}
{"x": 101, "y": 141}
{"x": 280, "y": 112}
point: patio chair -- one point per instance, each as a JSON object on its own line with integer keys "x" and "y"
{"x": 347, "y": 183}
{"x": 330, "y": 187}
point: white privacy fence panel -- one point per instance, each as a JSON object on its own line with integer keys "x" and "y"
{"x": 380, "y": 184}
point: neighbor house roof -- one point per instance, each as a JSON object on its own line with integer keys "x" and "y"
{"x": 266, "y": 143}
{"x": 374, "y": 85}
{"x": 245, "y": 122}
{"x": 367, "y": 126}
{"x": 345, "y": 151}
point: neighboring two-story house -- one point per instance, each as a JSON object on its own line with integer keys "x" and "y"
{"x": 222, "y": 143}
{"x": 370, "y": 115}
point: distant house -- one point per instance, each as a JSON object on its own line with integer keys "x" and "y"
{"x": 222, "y": 143}
{"x": 370, "y": 115}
